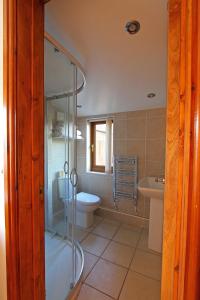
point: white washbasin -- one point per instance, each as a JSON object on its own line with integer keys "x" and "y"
{"x": 150, "y": 188}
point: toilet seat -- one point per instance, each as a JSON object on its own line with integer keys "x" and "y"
{"x": 85, "y": 203}
{"x": 87, "y": 199}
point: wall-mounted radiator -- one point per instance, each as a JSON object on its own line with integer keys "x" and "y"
{"x": 125, "y": 179}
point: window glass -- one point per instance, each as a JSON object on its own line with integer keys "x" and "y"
{"x": 100, "y": 144}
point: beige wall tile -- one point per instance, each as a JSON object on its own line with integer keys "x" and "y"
{"x": 84, "y": 183}
{"x": 98, "y": 183}
{"x": 154, "y": 168}
{"x": 146, "y": 207}
{"x": 107, "y": 201}
{"x": 136, "y": 147}
{"x": 81, "y": 165}
{"x": 156, "y": 112}
{"x": 122, "y": 115}
{"x": 156, "y": 128}
{"x": 141, "y": 169}
{"x": 155, "y": 150}
{"x": 81, "y": 148}
{"x": 120, "y": 129}
{"x": 140, "y": 133}
{"x": 120, "y": 147}
{"x": 136, "y": 128}
{"x": 127, "y": 206}
{"x": 137, "y": 114}
{"x": 140, "y": 205}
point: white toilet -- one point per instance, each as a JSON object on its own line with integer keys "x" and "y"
{"x": 86, "y": 203}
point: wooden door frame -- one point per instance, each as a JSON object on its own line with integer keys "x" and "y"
{"x": 181, "y": 246}
{"x": 24, "y": 147}
{"x": 24, "y": 151}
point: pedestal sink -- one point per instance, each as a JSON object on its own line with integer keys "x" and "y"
{"x": 149, "y": 187}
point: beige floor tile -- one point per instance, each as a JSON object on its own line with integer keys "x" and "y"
{"x": 131, "y": 227}
{"x": 107, "y": 278}
{"x": 97, "y": 220}
{"x": 127, "y": 236}
{"x": 143, "y": 242}
{"x": 106, "y": 229}
{"x": 94, "y": 244}
{"x": 147, "y": 264}
{"x": 139, "y": 287}
{"x": 80, "y": 234}
{"x": 89, "y": 262}
{"x": 88, "y": 293}
{"x": 119, "y": 254}
{"x": 112, "y": 221}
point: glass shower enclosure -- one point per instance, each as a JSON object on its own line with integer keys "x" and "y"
{"x": 64, "y": 257}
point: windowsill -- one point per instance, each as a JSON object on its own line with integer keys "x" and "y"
{"x": 99, "y": 173}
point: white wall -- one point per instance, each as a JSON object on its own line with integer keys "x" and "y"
{"x": 3, "y": 290}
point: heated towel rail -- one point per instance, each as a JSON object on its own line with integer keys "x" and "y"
{"x": 125, "y": 179}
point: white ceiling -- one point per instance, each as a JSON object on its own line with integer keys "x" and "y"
{"x": 120, "y": 69}
{"x": 58, "y": 72}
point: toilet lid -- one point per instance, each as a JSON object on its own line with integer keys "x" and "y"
{"x": 87, "y": 199}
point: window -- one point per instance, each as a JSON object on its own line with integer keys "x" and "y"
{"x": 101, "y": 145}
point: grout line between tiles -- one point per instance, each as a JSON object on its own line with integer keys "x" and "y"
{"x": 100, "y": 257}
{"x": 114, "y": 263}
{"x": 149, "y": 277}
{"x": 100, "y": 291}
{"x": 129, "y": 266}
{"x": 123, "y": 284}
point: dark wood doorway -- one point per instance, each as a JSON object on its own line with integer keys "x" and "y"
{"x": 24, "y": 155}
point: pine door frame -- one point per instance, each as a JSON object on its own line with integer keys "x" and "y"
{"x": 24, "y": 151}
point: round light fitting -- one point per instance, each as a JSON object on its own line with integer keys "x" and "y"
{"x": 151, "y": 95}
{"x": 132, "y": 27}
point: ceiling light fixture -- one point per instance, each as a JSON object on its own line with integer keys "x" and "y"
{"x": 151, "y": 95}
{"x": 132, "y": 27}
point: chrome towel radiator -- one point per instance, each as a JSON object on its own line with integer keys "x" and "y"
{"x": 125, "y": 179}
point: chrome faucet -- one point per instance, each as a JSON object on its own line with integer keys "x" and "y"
{"x": 160, "y": 179}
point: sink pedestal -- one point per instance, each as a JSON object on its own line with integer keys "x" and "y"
{"x": 151, "y": 188}
{"x": 156, "y": 225}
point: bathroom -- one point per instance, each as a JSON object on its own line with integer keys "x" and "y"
{"x": 105, "y": 124}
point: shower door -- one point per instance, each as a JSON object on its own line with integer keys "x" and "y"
{"x": 60, "y": 174}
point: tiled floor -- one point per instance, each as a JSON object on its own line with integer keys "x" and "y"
{"x": 118, "y": 263}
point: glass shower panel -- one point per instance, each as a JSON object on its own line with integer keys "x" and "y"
{"x": 73, "y": 168}
{"x": 57, "y": 168}
{"x": 60, "y": 171}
